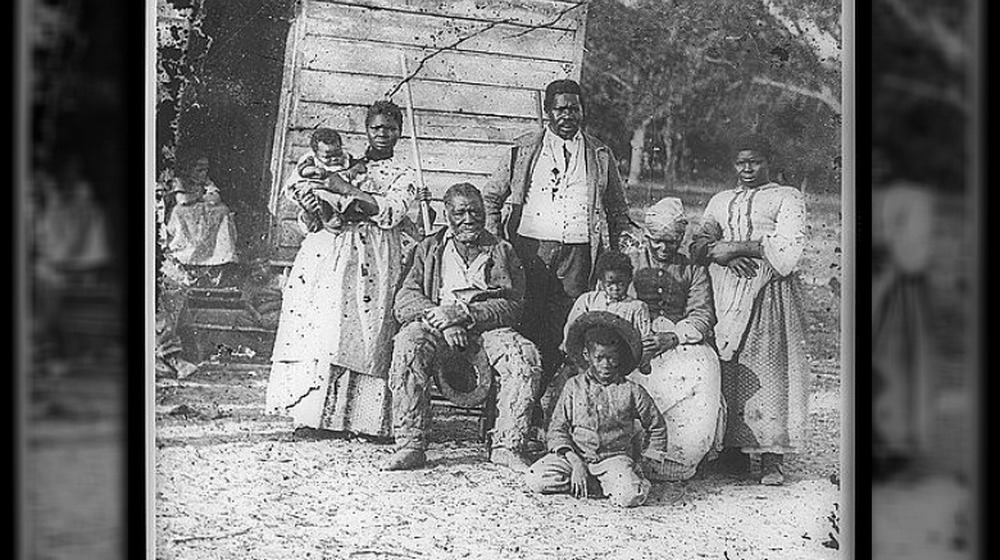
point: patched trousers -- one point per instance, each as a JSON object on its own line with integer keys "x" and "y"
{"x": 514, "y": 359}
{"x": 619, "y": 478}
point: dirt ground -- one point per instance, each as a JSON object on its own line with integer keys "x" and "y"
{"x": 234, "y": 483}
{"x": 75, "y": 463}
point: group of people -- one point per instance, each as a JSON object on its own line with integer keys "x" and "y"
{"x": 637, "y": 365}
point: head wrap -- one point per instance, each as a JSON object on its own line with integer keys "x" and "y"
{"x": 666, "y": 218}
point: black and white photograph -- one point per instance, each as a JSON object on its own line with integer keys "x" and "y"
{"x": 926, "y": 217}
{"x": 516, "y": 279}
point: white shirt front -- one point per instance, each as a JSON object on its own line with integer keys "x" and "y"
{"x": 457, "y": 276}
{"x": 556, "y": 204}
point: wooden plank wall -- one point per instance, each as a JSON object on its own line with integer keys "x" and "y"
{"x": 469, "y": 101}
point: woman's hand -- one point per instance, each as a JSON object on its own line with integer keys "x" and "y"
{"x": 354, "y": 171}
{"x": 744, "y": 267}
{"x": 310, "y": 202}
{"x": 336, "y": 184}
{"x": 456, "y": 337}
{"x": 657, "y": 343}
{"x": 722, "y": 252}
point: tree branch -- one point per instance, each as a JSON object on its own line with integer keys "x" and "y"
{"x": 562, "y": 13}
{"x": 420, "y": 65}
{"x": 825, "y": 45}
{"x": 719, "y": 61}
{"x": 824, "y": 95}
{"x": 947, "y": 42}
{"x": 617, "y": 79}
{"x": 950, "y": 96}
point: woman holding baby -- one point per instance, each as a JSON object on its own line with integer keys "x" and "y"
{"x": 333, "y": 345}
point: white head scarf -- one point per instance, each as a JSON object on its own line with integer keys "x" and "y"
{"x": 666, "y": 218}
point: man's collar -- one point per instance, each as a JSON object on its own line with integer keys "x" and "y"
{"x": 555, "y": 138}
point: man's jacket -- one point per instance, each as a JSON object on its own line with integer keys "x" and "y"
{"x": 499, "y": 306}
{"x": 505, "y": 192}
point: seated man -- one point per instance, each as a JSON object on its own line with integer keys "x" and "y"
{"x": 464, "y": 287}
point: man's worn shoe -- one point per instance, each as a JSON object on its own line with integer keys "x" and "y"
{"x": 405, "y": 459}
{"x": 510, "y": 459}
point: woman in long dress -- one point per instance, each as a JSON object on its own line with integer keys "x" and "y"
{"x": 334, "y": 341}
{"x": 683, "y": 376}
{"x": 901, "y": 235}
{"x": 752, "y": 237}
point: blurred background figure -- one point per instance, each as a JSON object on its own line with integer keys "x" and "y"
{"x": 201, "y": 233}
{"x": 71, "y": 254}
{"x": 902, "y": 347}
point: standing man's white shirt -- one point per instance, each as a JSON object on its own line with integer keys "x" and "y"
{"x": 555, "y": 207}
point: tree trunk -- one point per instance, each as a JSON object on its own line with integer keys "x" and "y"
{"x": 669, "y": 149}
{"x": 638, "y": 146}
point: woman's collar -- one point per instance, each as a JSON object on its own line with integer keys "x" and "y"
{"x": 372, "y": 155}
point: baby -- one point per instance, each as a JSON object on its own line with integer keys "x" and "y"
{"x": 592, "y": 438}
{"x": 320, "y": 207}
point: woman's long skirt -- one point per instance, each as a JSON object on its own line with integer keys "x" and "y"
{"x": 766, "y": 384}
{"x": 685, "y": 383}
{"x": 334, "y": 342}
{"x": 900, "y": 361}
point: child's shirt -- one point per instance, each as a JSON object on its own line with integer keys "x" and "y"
{"x": 598, "y": 421}
{"x": 631, "y": 309}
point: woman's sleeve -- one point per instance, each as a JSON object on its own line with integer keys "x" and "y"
{"x": 783, "y": 247}
{"x": 705, "y": 233}
{"x": 394, "y": 202}
{"x": 699, "y": 319}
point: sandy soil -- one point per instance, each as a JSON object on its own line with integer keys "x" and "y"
{"x": 240, "y": 485}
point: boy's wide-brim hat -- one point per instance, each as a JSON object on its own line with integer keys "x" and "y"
{"x": 624, "y": 329}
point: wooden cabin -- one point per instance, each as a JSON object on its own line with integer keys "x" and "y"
{"x": 484, "y": 67}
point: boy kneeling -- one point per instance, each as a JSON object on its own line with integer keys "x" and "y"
{"x": 592, "y": 437}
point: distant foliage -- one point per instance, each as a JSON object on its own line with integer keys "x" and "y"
{"x": 695, "y": 74}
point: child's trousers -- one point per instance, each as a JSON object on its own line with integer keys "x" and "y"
{"x": 619, "y": 477}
